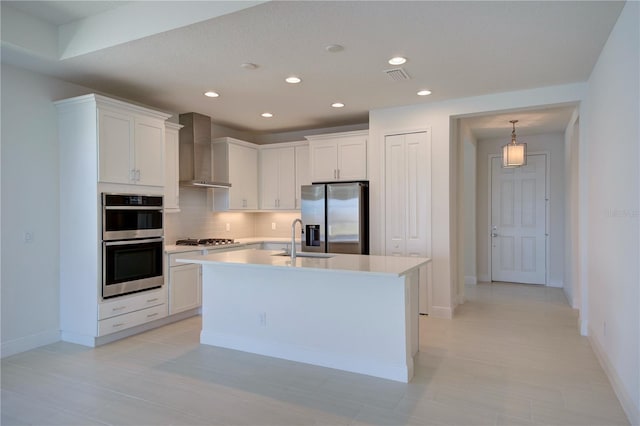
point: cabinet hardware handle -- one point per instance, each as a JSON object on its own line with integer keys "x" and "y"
{"x": 138, "y": 175}
{"x": 152, "y": 300}
{"x": 338, "y": 173}
{"x": 120, "y": 324}
{"x": 119, "y": 308}
{"x": 152, "y": 315}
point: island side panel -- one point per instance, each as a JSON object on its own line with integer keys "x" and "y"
{"x": 349, "y": 321}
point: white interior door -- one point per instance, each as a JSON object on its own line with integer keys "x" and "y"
{"x": 518, "y": 221}
{"x": 407, "y": 202}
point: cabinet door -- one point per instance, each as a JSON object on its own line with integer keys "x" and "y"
{"x": 149, "y": 151}
{"x": 185, "y": 288}
{"x": 352, "y": 158}
{"x": 171, "y": 175}
{"x": 269, "y": 174}
{"x": 303, "y": 176}
{"x": 277, "y": 178}
{"x": 115, "y": 137}
{"x": 286, "y": 178}
{"x": 324, "y": 161}
{"x": 243, "y": 175}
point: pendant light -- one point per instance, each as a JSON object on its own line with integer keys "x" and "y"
{"x": 514, "y": 154}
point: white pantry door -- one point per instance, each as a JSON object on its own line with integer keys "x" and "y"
{"x": 518, "y": 221}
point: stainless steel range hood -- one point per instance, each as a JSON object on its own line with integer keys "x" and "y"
{"x": 195, "y": 152}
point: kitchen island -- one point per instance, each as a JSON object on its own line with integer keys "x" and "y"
{"x": 350, "y": 312}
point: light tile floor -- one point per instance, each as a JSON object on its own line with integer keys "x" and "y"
{"x": 511, "y": 356}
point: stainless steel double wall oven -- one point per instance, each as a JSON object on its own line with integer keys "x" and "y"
{"x": 132, "y": 243}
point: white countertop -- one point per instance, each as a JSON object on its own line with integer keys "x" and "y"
{"x": 354, "y": 263}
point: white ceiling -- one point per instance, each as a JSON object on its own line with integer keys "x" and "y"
{"x": 455, "y": 49}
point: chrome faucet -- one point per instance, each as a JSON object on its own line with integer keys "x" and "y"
{"x": 293, "y": 237}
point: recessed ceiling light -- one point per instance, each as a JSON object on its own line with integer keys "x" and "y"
{"x": 211, "y": 94}
{"x": 424, "y": 92}
{"x": 398, "y": 60}
{"x": 266, "y": 115}
{"x": 249, "y": 66}
{"x": 337, "y": 104}
{"x": 293, "y": 80}
{"x": 334, "y": 48}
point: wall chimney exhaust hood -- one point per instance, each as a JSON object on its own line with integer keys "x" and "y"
{"x": 195, "y": 152}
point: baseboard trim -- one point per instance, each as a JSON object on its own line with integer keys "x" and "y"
{"x": 27, "y": 343}
{"x": 470, "y": 280}
{"x": 556, "y": 284}
{"x": 628, "y": 405}
{"x": 441, "y": 312}
{"x": 584, "y": 327}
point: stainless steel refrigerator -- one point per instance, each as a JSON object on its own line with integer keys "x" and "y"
{"x": 336, "y": 217}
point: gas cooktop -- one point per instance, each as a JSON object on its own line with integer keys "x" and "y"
{"x": 205, "y": 242}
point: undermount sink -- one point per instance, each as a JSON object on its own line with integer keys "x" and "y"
{"x": 306, "y": 254}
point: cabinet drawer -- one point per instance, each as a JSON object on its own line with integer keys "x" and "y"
{"x": 127, "y": 304}
{"x": 122, "y": 322}
{"x": 182, "y": 255}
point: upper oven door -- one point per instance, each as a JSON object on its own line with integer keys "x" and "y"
{"x": 129, "y": 216}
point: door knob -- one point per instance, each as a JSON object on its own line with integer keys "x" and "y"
{"x": 493, "y": 234}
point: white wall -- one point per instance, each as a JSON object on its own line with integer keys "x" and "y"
{"x": 610, "y": 130}
{"x": 572, "y": 218}
{"x": 30, "y": 281}
{"x": 554, "y": 145}
{"x": 436, "y": 117}
{"x": 469, "y": 149}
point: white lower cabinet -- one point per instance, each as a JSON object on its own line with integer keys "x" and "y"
{"x": 185, "y": 288}
{"x": 132, "y": 319}
{"x": 129, "y": 311}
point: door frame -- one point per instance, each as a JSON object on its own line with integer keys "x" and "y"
{"x": 547, "y": 211}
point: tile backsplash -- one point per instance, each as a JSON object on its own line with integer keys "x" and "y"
{"x": 196, "y": 220}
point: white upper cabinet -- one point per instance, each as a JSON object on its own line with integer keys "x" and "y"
{"x": 171, "y": 171}
{"x": 131, "y": 147}
{"x": 236, "y": 162}
{"x": 338, "y": 156}
{"x": 277, "y": 178}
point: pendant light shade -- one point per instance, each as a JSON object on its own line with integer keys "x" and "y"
{"x": 514, "y": 154}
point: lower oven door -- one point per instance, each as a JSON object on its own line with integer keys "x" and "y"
{"x": 131, "y": 265}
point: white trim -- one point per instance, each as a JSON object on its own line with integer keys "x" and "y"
{"x": 326, "y": 136}
{"x": 556, "y": 284}
{"x": 441, "y": 312}
{"x": 32, "y": 341}
{"x": 470, "y": 280}
{"x": 628, "y": 405}
{"x": 547, "y": 155}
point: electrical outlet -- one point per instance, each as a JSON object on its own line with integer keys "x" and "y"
{"x": 228, "y": 227}
{"x": 263, "y": 319}
{"x": 28, "y": 237}
{"x": 273, "y": 226}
